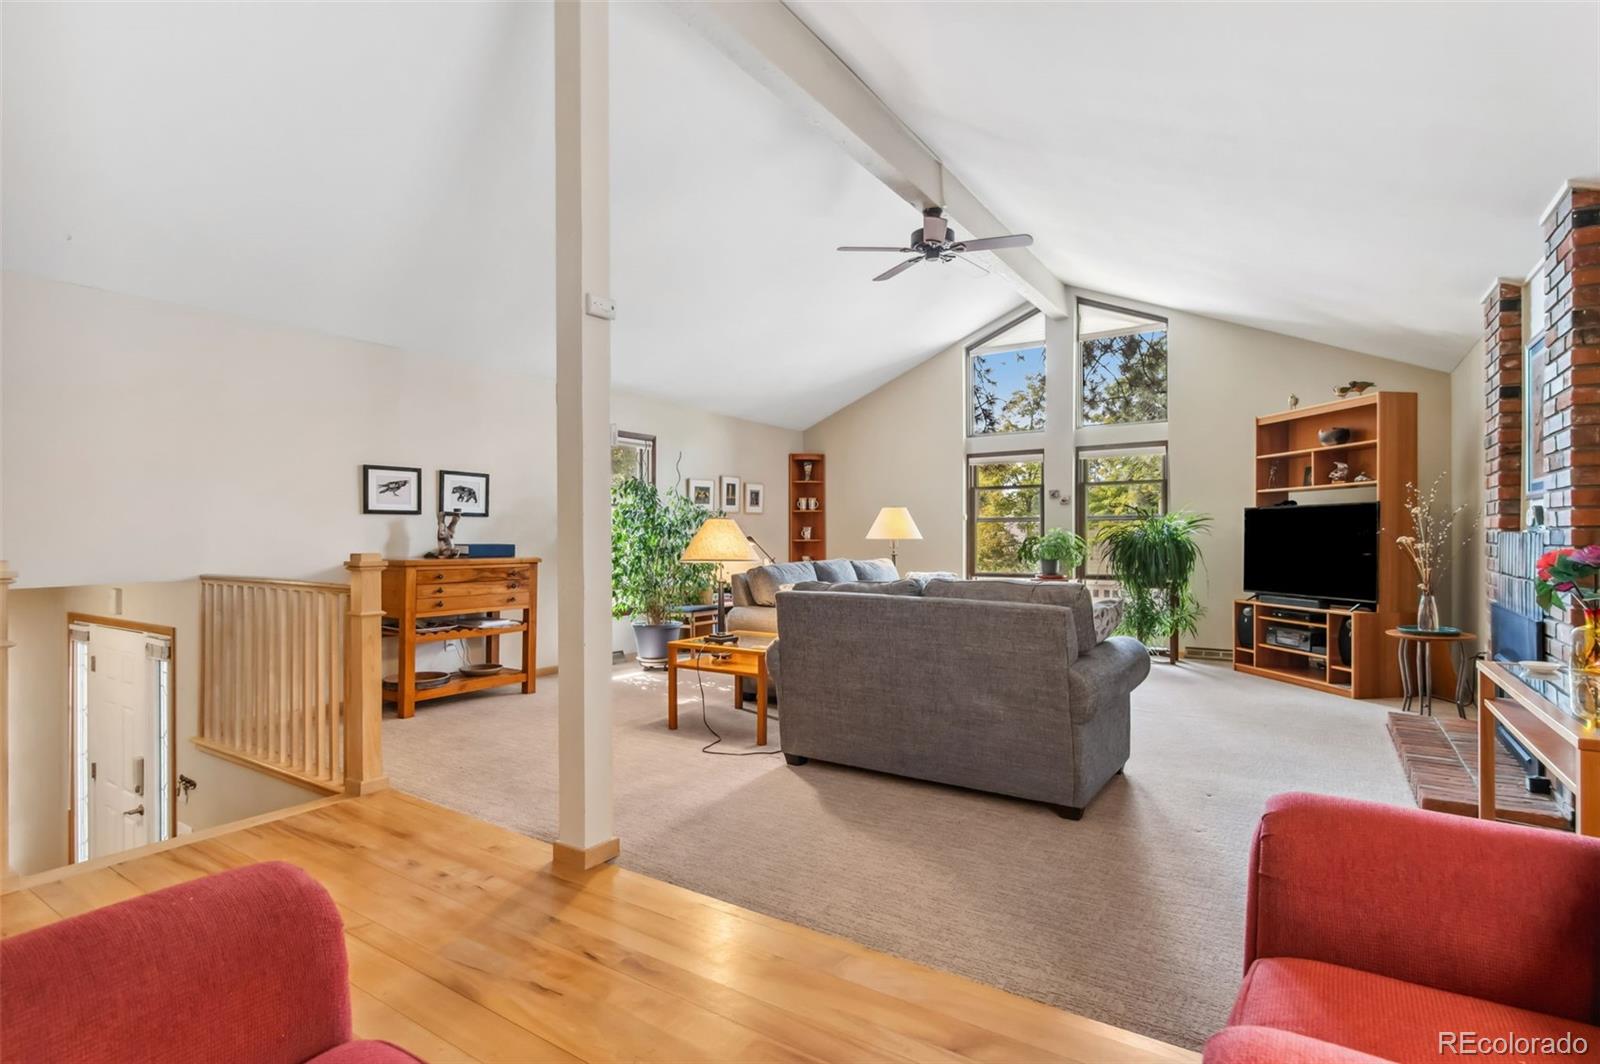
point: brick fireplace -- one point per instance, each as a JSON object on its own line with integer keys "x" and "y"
{"x": 1567, "y": 458}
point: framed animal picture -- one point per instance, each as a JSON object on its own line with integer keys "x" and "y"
{"x": 703, "y": 493}
{"x": 732, "y": 494}
{"x": 391, "y": 489}
{"x": 755, "y": 497}
{"x": 467, "y": 492}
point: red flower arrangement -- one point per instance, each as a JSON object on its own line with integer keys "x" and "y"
{"x": 1568, "y": 571}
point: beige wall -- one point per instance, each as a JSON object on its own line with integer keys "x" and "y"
{"x": 147, "y": 443}
{"x": 904, "y": 444}
{"x": 1471, "y": 605}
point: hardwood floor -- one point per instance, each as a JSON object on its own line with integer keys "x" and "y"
{"x": 464, "y": 944}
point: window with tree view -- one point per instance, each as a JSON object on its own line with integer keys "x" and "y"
{"x": 1005, "y": 509}
{"x": 633, "y": 454}
{"x": 1124, "y": 366}
{"x": 1114, "y": 486}
{"x": 1006, "y": 376}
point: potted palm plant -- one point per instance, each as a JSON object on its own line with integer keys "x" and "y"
{"x": 1154, "y": 557}
{"x": 1053, "y": 548}
{"x": 649, "y": 530}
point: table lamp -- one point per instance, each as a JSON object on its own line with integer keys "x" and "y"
{"x": 719, "y": 540}
{"x": 894, "y": 523}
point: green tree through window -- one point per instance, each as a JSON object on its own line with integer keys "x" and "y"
{"x": 1006, "y": 375}
{"x": 1125, "y": 377}
{"x": 1006, "y": 507}
{"x": 1113, "y": 488}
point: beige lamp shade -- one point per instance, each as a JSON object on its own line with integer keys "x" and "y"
{"x": 720, "y": 539}
{"x": 894, "y": 522}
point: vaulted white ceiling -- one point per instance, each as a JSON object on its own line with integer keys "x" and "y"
{"x": 1355, "y": 174}
{"x": 384, "y": 172}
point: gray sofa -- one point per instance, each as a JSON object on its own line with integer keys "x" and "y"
{"x": 995, "y": 685}
{"x": 755, "y": 603}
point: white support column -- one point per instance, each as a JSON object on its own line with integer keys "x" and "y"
{"x": 583, "y": 385}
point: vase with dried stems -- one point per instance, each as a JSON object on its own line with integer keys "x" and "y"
{"x": 1430, "y": 546}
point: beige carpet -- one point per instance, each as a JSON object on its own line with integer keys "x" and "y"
{"x": 1133, "y": 915}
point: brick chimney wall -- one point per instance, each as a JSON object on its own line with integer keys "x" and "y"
{"x": 1571, "y": 276}
{"x": 1502, "y": 459}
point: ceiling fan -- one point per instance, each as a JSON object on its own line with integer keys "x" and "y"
{"x": 936, "y": 242}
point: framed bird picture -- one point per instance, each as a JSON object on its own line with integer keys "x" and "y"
{"x": 467, "y": 492}
{"x": 391, "y": 489}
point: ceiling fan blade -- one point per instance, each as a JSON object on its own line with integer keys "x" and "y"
{"x": 973, "y": 267}
{"x": 990, "y": 243}
{"x": 852, "y": 247}
{"x": 892, "y": 270}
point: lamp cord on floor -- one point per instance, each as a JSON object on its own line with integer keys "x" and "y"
{"x": 700, "y": 679}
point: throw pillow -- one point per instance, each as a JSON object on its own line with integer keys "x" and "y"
{"x": 923, "y": 578}
{"x": 835, "y": 570}
{"x": 764, "y": 579}
{"x": 1107, "y": 615}
{"x": 876, "y": 569}
{"x": 878, "y": 587}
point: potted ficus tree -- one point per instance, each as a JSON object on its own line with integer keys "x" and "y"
{"x": 1054, "y": 551}
{"x": 649, "y": 530}
{"x": 1154, "y": 557}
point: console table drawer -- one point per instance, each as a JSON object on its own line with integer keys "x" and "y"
{"x": 497, "y": 600}
{"x": 470, "y": 574}
{"x": 474, "y": 589}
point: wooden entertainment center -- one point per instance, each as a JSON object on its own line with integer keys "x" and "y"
{"x": 1289, "y": 460}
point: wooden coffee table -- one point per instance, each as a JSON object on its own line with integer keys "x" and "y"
{"x": 747, "y": 657}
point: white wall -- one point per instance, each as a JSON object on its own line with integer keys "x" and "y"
{"x": 146, "y": 444}
{"x": 904, "y": 443}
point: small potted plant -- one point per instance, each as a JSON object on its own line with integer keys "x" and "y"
{"x": 649, "y": 530}
{"x": 1050, "y": 550}
{"x": 1570, "y": 578}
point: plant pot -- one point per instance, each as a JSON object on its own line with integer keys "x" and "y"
{"x": 651, "y": 641}
{"x": 1049, "y": 567}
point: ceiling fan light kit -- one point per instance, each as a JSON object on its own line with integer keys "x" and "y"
{"x": 936, "y": 242}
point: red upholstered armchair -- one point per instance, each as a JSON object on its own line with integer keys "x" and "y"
{"x": 1379, "y": 932}
{"x": 247, "y": 965}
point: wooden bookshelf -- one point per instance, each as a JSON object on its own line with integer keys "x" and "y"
{"x": 803, "y": 487}
{"x": 1291, "y": 460}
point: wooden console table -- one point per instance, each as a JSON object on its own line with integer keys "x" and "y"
{"x": 417, "y": 588}
{"x": 1554, "y": 717}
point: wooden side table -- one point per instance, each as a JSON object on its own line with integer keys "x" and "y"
{"x": 746, "y": 658}
{"x": 1421, "y": 687}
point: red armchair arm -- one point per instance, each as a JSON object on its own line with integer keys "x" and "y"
{"x": 1268, "y": 1045}
{"x": 248, "y": 965}
{"x": 1497, "y": 911}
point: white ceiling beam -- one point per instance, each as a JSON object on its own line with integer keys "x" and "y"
{"x": 771, "y": 43}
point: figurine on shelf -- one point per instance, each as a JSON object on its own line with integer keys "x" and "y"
{"x": 1345, "y": 391}
{"x": 1361, "y": 477}
{"x": 1272, "y": 474}
{"x": 1294, "y": 400}
{"x": 447, "y": 536}
{"x": 1339, "y": 472}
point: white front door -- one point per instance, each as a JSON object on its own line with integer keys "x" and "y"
{"x": 123, "y": 756}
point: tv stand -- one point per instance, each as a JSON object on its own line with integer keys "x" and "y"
{"x": 1354, "y": 675}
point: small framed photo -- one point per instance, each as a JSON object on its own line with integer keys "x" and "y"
{"x": 703, "y": 493}
{"x": 391, "y": 489}
{"x": 732, "y": 494}
{"x": 467, "y": 492}
{"x": 755, "y": 498}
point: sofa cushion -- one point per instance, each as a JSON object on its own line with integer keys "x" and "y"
{"x": 1385, "y": 1017}
{"x": 764, "y": 580}
{"x": 876, "y": 569}
{"x": 739, "y": 584}
{"x": 835, "y": 570}
{"x": 1069, "y": 593}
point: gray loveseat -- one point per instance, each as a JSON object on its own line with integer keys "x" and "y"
{"x": 995, "y": 685}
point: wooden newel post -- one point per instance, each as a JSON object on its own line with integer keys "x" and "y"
{"x": 363, "y": 677}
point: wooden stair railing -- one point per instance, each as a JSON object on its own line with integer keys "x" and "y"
{"x": 290, "y": 675}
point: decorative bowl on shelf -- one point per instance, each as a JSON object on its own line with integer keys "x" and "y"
{"x": 426, "y": 681}
{"x": 1334, "y": 436}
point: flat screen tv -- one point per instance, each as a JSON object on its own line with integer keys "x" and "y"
{"x": 1322, "y": 552}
